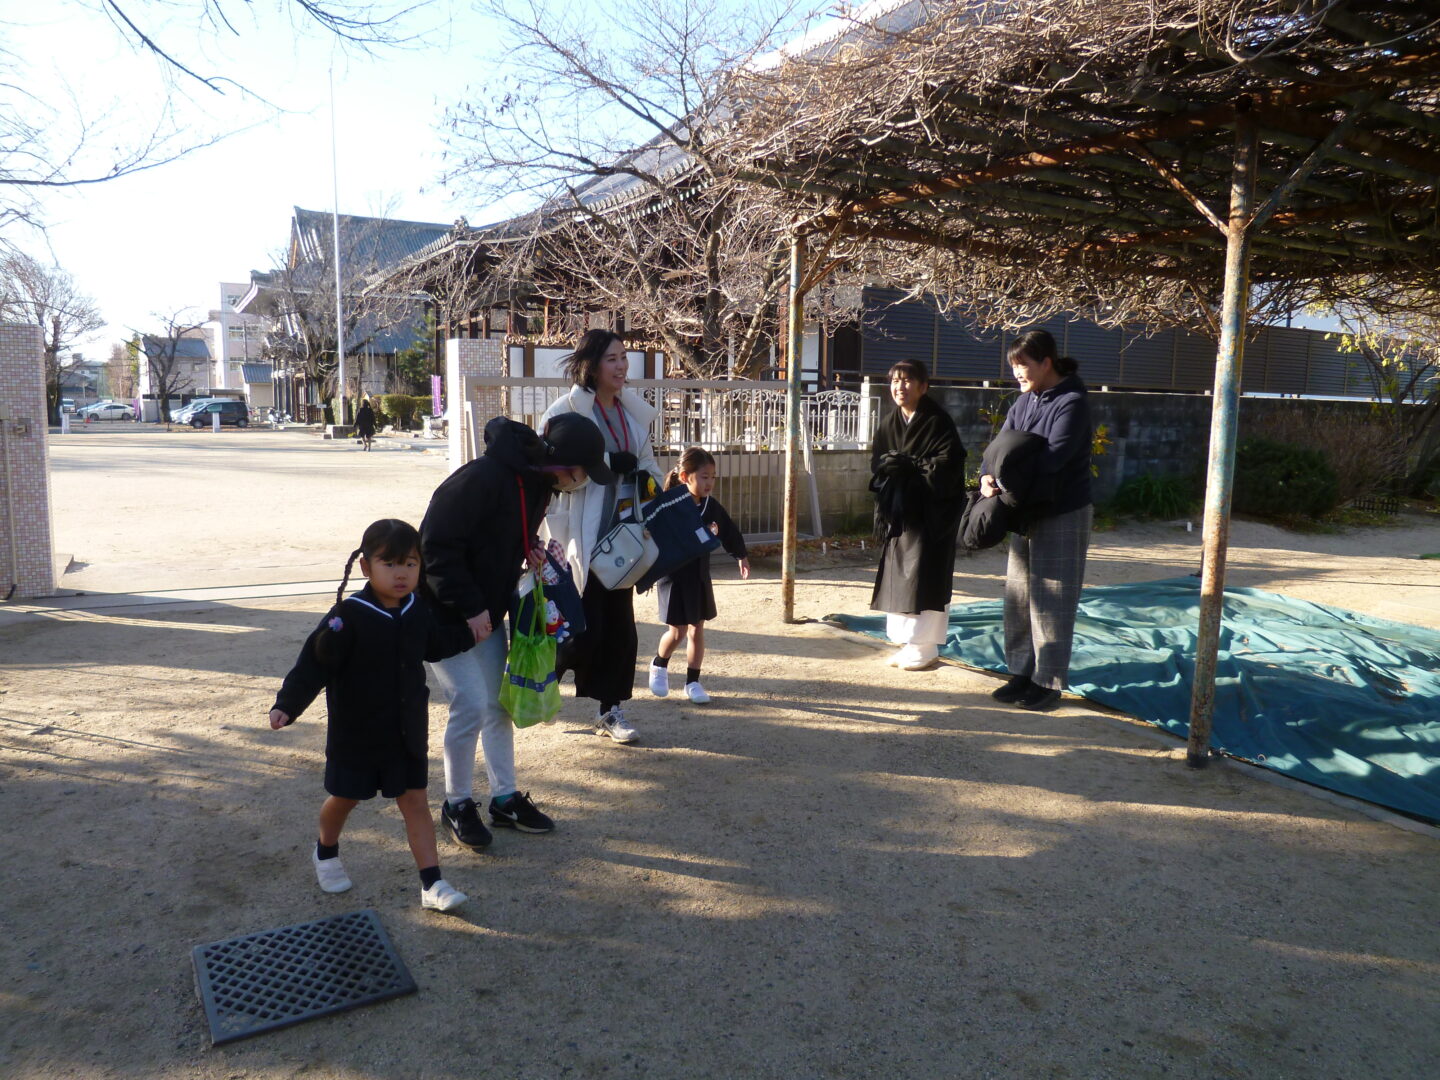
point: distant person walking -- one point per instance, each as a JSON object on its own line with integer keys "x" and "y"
{"x": 917, "y": 464}
{"x": 367, "y": 655}
{"x": 1047, "y": 563}
{"x": 365, "y": 423}
{"x": 603, "y": 657}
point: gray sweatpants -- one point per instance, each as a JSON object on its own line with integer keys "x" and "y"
{"x": 471, "y": 683}
{"x": 1042, "y": 591}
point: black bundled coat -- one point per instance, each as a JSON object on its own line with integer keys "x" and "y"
{"x": 919, "y": 484}
{"x": 470, "y": 538}
{"x": 1013, "y": 458}
{"x": 370, "y": 665}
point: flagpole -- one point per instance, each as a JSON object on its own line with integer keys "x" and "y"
{"x": 335, "y": 240}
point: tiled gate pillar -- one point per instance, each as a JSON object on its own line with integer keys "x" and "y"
{"x": 27, "y": 552}
{"x": 464, "y": 358}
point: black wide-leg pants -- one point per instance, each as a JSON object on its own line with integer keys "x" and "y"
{"x": 603, "y": 658}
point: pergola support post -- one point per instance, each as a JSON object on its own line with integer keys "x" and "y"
{"x": 793, "y": 354}
{"x": 1220, "y": 470}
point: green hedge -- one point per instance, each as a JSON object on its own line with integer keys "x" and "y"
{"x": 1282, "y": 480}
{"x": 402, "y": 410}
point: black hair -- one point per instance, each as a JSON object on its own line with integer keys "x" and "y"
{"x": 388, "y": 538}
{"x": 914, "y": 368}
{"x": 1036, "y": 346}
{"x": 580, "y": 366}
{"x": 691, "y": 461}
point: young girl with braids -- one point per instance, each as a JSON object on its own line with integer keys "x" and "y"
{"x": 367, "y": 655}
{"x": 687, "y": 597}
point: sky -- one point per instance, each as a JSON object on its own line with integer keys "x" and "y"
{"x": 159, "y": 242}
{"x": 162, "y": 240}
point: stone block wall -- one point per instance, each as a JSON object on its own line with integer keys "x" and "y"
{"x": 27, "y": 553}
{"x": 1162, "y": 434}
{"x": 464, "y": 358}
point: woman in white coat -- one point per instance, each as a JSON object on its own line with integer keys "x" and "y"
{"x": 603, "y": 658}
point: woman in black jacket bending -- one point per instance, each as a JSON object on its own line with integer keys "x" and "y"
{"x": 918, "y": 467}
{"x": 1047, "y": 563}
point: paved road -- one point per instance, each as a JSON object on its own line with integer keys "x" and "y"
{"x": 141, "y": 509}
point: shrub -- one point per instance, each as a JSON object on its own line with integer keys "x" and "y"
{"x": 1282, "y": 480}
{"x": 1357, "y": 443}
{"x": 399, "y": 407}
{"x": 1156, "y": 496}
{"x": 424, "y": 405}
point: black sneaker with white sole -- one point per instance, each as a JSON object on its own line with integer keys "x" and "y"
{"x": 463, "y": 823}
{"x": 519, "y": 813}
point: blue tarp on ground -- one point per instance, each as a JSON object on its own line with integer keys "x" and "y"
{"x": 1323, "y": 695}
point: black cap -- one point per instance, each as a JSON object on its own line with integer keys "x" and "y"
{"x": 575, "y": 440}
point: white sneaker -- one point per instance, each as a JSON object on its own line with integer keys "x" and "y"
{"x": 330, "y": 873}
{"x": 614, "y": 724}
{"x": 696, "y": 693}
{"x": 442, "y": 896}
{"x": 659, "y": 681}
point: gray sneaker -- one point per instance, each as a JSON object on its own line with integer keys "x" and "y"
{"x": 614, "y": 724}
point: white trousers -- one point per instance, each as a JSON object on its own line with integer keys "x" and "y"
{"x": 923, "y": 628}
{"x": 471, "y": 683}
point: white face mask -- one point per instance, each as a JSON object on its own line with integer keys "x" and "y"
{"x": 566, "y": 486}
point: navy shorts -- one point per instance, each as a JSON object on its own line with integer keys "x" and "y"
{"x": 391, "y": 778}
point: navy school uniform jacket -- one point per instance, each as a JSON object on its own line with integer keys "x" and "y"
{"x": 372, "y": 672}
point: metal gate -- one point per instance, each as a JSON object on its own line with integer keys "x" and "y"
{"x": 741, "y": 423}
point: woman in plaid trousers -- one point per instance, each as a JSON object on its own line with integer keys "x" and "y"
{"x": 1047, "y": 562}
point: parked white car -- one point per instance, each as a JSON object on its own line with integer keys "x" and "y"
{"x": 107, "y": 410}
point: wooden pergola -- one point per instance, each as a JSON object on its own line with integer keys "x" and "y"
{"x": 1191, "y": 161}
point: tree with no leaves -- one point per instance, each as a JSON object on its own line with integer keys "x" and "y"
{"x": 611, "y": 124}
{"x": 70, "y": 142}
{"x": 1399, "y": 352}
{"x": 160, "y": 352}
{"x": 46, "y": 296}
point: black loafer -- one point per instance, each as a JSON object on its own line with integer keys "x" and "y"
{"x": 1013, "y": 690}
{"x": 1039, "y": 699}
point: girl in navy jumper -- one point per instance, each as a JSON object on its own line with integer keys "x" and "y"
{"x": 367, "y": 655}
{"x": 687, "y": 597}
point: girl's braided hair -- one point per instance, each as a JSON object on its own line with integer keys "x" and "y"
{"x": 691, "y": 461}
{"x": 388, "y": 538}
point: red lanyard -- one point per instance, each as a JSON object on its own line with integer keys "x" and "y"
{"x": 524, "y": 521}
{"x": 620, "y": 415}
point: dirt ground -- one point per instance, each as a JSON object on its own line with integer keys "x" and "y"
{"x": 834, "y": 870}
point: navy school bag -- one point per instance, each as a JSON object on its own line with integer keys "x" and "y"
{"x": 673, "y": 520}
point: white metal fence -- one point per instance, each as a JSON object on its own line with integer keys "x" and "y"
{"x": 742, "y": 424}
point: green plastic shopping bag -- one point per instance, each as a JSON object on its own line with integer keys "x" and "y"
{"x": 530, "y": 692}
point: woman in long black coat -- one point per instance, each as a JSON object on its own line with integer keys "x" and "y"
{"x": 918, "y": 467}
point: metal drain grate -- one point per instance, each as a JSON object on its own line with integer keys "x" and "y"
{"x": 261, "y": 982}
